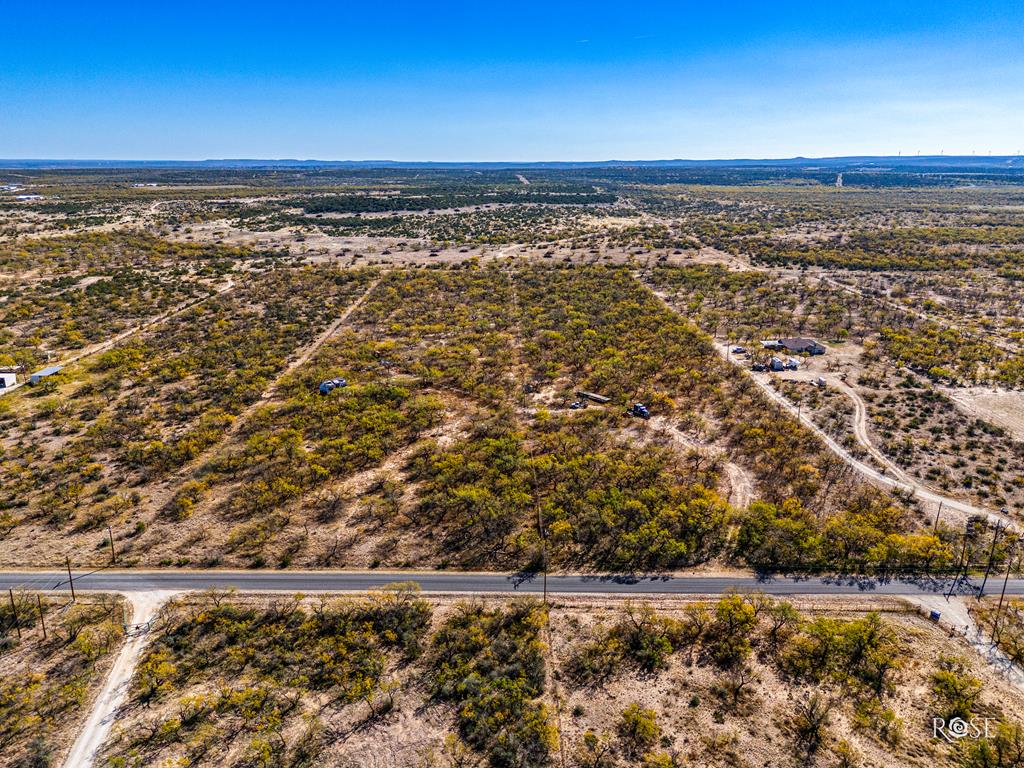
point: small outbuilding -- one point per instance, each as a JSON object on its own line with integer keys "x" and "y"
{"x": 8, "y": 379}
{"x": 44, "y": 373}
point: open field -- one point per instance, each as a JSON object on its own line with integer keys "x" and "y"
{"x": 466, "y": 310}
{"x": 200, "y": 444}
{"x": 494, "y": 330}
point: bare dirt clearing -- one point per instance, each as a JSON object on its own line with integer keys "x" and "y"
{"x": 999, "y": 406}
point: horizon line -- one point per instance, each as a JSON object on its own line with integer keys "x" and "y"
{"x": 122, "y": 162}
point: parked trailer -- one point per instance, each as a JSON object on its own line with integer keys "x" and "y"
{"x": 593, "y": 396}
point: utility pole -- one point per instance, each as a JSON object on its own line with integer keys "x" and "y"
{"x": 14, "y": 611}
{"x": 544, "y": 551}
{"x": 543, "y": 535}
{"x": 935, "y": 527}
{"x": 71, "y": 579}
{"x": 113, "y": 554}
{"x": 991, "y": 554}
{"x": 42, "y": 620}
{"x": 545, "y": 573}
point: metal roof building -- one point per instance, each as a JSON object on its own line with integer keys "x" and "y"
{"x": 43, "y": 373}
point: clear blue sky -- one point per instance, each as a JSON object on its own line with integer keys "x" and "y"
{"x": 509, "y": 80}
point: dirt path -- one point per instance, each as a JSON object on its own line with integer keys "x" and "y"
{"x": 860, "y": 419}
{"x": 741, "y": 485}
{"x": 115, "y": 690}
{"x": 307, "y": 354}
{"x": 103, "y": 346}
{"x": 860, "y": 431}
{"x": 740, "y": 481}
{"x": 304, "y": 356}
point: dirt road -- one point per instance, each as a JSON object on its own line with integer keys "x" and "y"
{"x": 860, "y": 415}
{"x": 904, "y": 484}
{"x": 860, "y": 431}
{"x": 145, "y": 606}
{"x": 740, "y": 480}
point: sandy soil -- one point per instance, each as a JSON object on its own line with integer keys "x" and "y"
{"x": 696, "y": 725}
{"x": 1002, "y": 407}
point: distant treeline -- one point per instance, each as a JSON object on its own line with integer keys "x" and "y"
{"x": 609, "y": 177}
{"x": 425, "y": 202}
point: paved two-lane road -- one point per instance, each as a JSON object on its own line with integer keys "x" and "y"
{"x": 440, "y": 581}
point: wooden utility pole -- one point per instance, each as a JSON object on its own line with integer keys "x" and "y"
{"x": 14, "y": 612}
{"x": 545, "y": 574}
{"x": 543, "y": 548}
{"x": 42, "y": 621}
{"x": 542, "y": 533}
{"x": 113, "y": 554}
{"x": 935, "y": 527}
{"x": 71, "y": 579}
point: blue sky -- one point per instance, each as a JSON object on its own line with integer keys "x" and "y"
{"x": 509, "y": 81}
